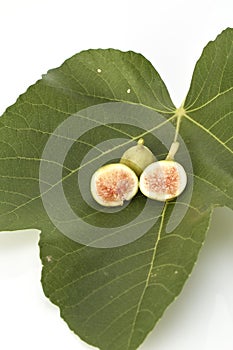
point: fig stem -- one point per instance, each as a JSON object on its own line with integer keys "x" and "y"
{"x": 179, "y": 117}
{"x": 180, "y": 112}
{"x": 173, "y": 149}
{"x": 141, "y": 141}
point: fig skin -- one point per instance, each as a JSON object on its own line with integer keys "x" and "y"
{"x": 163, "y": 180}
{"x": 138, "y": 157}
{"x": 113, "y": 184}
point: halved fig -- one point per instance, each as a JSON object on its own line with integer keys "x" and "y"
{"x": 113, "y": 184}
{"x": 138, "y": 157}
{"x": 163, "y": 180}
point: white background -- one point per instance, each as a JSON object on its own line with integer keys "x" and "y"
{"x": 38, "y": 35}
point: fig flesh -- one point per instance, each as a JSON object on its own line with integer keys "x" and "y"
{"x": 163, "y": 180}
{"x": 113, "y": 184}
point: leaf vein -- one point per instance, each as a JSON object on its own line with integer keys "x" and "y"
{"x": 209, "y": 133}
{"x": 148, "y": 275}
{"x": 94, "y": 291}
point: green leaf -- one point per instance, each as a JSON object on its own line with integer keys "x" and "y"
{"x": 208, "y": 127}
{"x": 113, "y": 297}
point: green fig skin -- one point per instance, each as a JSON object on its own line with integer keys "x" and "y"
{"x": 138, "y": 157}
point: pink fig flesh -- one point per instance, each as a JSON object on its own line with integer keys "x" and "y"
{"x": 113, "y": 184}
{"x": 163, "y": 180}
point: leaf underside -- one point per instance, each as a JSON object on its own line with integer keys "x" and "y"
{"x": 112, "y": 298}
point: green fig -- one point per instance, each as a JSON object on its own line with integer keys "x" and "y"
{"x": 138, "y": 157}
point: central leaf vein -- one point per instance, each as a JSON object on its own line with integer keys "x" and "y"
{"x": 148, "y": 275}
